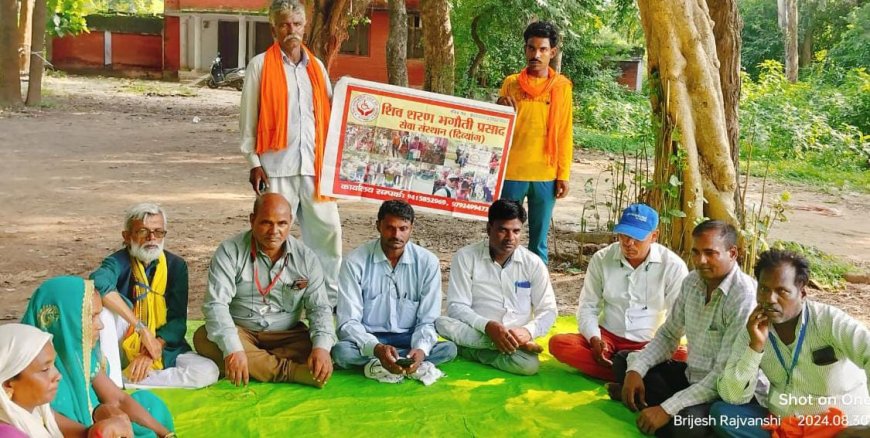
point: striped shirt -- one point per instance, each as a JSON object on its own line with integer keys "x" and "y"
{"x": 711, "y": 330}
{"x": 812, "y": 388}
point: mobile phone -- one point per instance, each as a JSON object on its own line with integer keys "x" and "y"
{"x": 405, "y": 362}
{"x": 262, "y": 186}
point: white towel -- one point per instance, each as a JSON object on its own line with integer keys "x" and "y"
{"x": 427, "y": 373}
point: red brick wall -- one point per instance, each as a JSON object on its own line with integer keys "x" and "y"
{"x": 216, "y": 5}
{"x": 129, "y": 52}
{"x": 629, "y": 74}
{"x": 171, "y": 44}
{"x": 139, "y": 51}
{"x": 374, "y": 66}
{"x": 80, "y": 51}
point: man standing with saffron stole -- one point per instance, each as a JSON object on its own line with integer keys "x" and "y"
{"x": 283, "y": 120}
{"x": 539, "y": 163}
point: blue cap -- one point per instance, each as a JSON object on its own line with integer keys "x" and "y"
{"x": 637, "y": 222}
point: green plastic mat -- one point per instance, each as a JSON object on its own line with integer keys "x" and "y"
{"x": 472, "y": 400}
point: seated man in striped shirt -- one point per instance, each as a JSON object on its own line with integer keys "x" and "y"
{"x": 711, "y": 311}
{"x": 815, "y": 356}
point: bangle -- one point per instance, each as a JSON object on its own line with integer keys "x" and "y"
{"x": 140, "y": 326}
{"x": 169, "y": 435}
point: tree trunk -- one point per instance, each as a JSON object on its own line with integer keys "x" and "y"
{"x": 25, "y": 19}
{"x": 34, "y": 84}
{"x": 806, "y": 55}
{"x": 687, "y": 98}
{"x": 397, "y": 44}
{"x": 791, "y": 40}
{"x": 10, "y": 79}
{"x": 727, "y": 27}
{"x": 437, "y": 46}
{"x": 474, "y": 68}
{"x": 329, "y": 22}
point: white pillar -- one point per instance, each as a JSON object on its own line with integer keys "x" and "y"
{"x": 182, "y": 42}
{"x": 107, "y": 47}
{"x": 243, "y": 41}
{"x": 197, "y": 43}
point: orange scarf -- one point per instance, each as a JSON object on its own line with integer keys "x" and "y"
{"x": 552, "y": 85}
{"x": 272, "y": 123}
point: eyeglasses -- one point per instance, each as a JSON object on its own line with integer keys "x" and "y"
{"x": 143, "y": 233}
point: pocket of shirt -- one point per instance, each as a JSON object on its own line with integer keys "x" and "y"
{"x": 641, "y": 322}
{"x": 291, "y": 296}
{"x": 524, "y": 299}
{"x": 407, "y": 313}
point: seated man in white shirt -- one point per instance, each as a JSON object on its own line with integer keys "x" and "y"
{"x": 629, "y": 287}
{"x": 389, "y": 295}
{"x": 499, "y": 298}
{"x": 816, "y": 356}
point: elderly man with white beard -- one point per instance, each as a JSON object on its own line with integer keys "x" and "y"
{"x": 144, "y": 292}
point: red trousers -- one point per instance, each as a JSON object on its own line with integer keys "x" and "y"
{"x": 574, "y": 350}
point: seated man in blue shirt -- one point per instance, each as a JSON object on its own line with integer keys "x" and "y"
{"x": 389, "y": 296}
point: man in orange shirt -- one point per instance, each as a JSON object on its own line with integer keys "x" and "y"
{"x": 539, "y": 163}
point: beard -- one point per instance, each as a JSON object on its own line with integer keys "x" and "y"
{"x": 146, "y": 253}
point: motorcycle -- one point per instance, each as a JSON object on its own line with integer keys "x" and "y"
{"x": 234, "y": 77}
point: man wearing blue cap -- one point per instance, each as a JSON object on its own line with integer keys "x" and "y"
{"x": 628, "y": 289}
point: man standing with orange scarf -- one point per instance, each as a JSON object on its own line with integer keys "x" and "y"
{"x": 539, "y": 163}
{"x": 284, "y": 119}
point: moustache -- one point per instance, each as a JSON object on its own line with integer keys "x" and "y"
{"x": 293, "y": 37}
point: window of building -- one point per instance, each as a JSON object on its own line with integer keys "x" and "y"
{"x": 357, "y": 42}
{"x": 415, "y": 36}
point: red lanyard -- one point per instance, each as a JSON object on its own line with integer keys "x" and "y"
{"x": 264, "y": 292}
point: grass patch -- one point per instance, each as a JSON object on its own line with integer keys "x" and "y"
{"x": 612, "y": 142}
{"x": 825, "y": 269}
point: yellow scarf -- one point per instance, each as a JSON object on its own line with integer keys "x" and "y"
{"x": 150, "y": 308}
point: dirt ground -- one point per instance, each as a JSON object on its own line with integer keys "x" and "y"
{"x": 70, "y": 169}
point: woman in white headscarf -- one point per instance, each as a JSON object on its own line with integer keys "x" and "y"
{"x": 29, "y": 380}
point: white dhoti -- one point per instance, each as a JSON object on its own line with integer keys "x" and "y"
{"x": 191, "y": 371}
{"x": 320, "y": 224}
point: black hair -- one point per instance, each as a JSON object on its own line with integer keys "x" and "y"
{"x": 776, "y": 257}
{"x": 726, "y": 231}
{"x": 397, "y": 208}
{"x": 542, "y": 29}
{"x": 505, "y": 210}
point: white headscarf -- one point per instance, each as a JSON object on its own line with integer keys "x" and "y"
{"x": 19, "y": 346}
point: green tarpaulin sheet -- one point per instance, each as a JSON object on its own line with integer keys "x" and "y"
{"x": 472, "y": 400}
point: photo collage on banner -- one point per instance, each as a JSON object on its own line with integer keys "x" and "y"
{"x": 435, "y": 151}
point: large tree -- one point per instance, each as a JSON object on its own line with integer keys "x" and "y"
{"x": 437, "y": 46}
{"x": 10, "y": 83}
{"x": 329, "y": 22}
{"x": 397, "y": 44}
{"x": 25, "y": 20}
{"x": 34, "y": 83}
{"x": 688, "y": 103}
{"x": 727, "y": 28}
{"x": 788, "y": 21}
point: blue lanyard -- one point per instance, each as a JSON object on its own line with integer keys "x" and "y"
{"x": 797, "y": 350}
